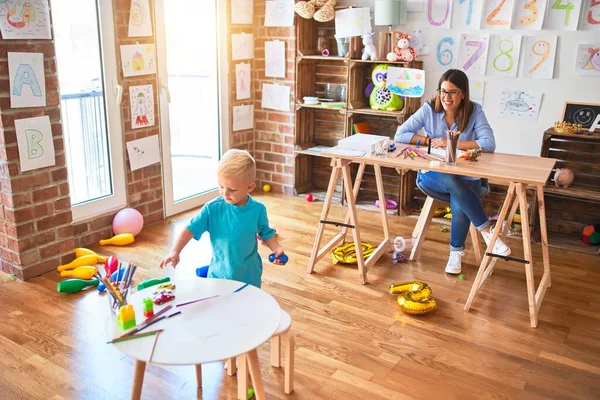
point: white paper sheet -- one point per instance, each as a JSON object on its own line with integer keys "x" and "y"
{"x": 26, "y": 80}
{"x": 563, "y": 16}
{"x": 140, "y": 19}
{"x": 275, "y": 59}
{"x": 141, "y": 99}
{"x": 591, "y": 15}
{"x": 138, "y": 59}
{"x": 407, "y": 82}
{"x": 242, "y": 81}
{"x": 352, "y": 22}
{"x": 35, "y": 143}
{"x": 143, "y": 152}
{"x": 587, "y": 61}
{"x": 276, "y": 97}
{"x": 539, "y": 53}
{"x": 466, "y": 14}
{"x": 242, "y": 12}
{"x": 520, "y": 104}
{"x": 419, "y": 40}
{"x": 472, "y": 53}
{"x": 242, "y": 46}
{"x": 503, "y": 55}
{"x": 25, "y": 19}
{"x": 445, "y": 48}
{"x": 439, "y": 13}
{"x": 279, "y": 13}
{"x": 497, "y": 14}
{"x": 477, "y": 90}
{"x": 529, "y": 15}
{"x": 243, "y": 117}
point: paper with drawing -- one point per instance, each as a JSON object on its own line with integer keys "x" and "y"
{"x": 27, "y": 83}
{"x": 143, "y": 152}
{"x": 243, "y": 117}
{"x": 35, "y": 142}
{"x": 25, "y": 19}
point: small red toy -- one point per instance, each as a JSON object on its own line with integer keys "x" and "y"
{"x": 163, "y": 296}
{"x": 309, "y": 197}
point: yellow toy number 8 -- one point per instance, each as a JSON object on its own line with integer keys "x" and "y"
{"x": 414, "y": 297}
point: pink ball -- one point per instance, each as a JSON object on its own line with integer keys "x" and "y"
{"x": 128, "y": 220}
{"x": 309, "y": 197}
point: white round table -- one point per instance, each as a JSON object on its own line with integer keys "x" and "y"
{"x": 219, "y": 328}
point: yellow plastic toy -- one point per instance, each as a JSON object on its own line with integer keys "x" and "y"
{"x": 126, "y": 317}
{"x": 80, "y": 272}
{"x": 82, "y": 261}
{"x": 122, "y": 239}
{"x": 82, "y": 251}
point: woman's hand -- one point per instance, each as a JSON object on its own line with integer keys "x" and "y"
{"x": 438, "y": 143}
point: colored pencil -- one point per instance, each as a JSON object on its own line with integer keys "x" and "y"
{"x": 240, "y": 288}
{"x": 153, "y": 346}
{"x": 140, "y": 335}
{"x": 195, "y": 301}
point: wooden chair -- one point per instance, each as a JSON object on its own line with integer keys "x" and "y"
{"x": 422, "y": 226}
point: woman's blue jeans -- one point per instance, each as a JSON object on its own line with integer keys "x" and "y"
{"x": 464, "y": 201}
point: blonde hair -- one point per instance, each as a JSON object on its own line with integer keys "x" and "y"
{"x": 237, "y": 162}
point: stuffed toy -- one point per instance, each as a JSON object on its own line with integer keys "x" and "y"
{"x": 403, "y": 51}
{"x": 320, "y": 10}
{"x": 370, "y": 52}
{"x": 563, "y": 177}
{"x": 381, "y": 98}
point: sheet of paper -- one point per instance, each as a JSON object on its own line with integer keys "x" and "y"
{"x": 352, "y": 22}
{"x": 504, "y": 55}
{"x": 276, "y": 97}
{"x": 591, "y": 15}
{"x": 243, "y": 117}
{"x": 138, "y": 59}
{"x": 563, "y": 16}
{"x": 407, "y": 82}
{"x": 466, "y": 14}
{"x": 419, "y": 41}
{"x": 140, "y": 19}
{"x": 143, "y": 152}
{"x": 472, "y": 53}
{"x": 35, "y": 143}
{"x": 242, "y": 12}
{"x": 439, "y": 13}
{"x": 539, "y": 54}
{"x": 588, "y": 59}
{"x": 141, "y": 99}
{"x": 520, "y": 105}
{"x": 445, "y": 48}
{"x": 25, "y": 19}
{"x": 242, "y": 81}
{"x": 26, "y": 80}
{"x": 275, "y": 59}
{"x": 319, "y": 149}
{"x": 346, "y": 152}
{"x": 242, "y": 46}
{"x": 497, "y": 14}
{"x": 279, "y": 13}
{"x": 529, "y": 15}
{"x": 477, "y": 90}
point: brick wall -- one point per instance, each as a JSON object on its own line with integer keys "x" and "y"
{"x": 273, "y": 130}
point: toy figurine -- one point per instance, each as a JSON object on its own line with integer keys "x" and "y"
{"x": 369, "y": 52}
{"x": 403, "y": 51}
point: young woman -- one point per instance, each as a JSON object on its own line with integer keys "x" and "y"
{"x": 452, "y": 109}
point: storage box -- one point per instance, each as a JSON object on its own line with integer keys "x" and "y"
{"x": 362, "y": 142}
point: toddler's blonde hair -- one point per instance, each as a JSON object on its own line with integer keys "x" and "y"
{"x": 237, "y": 162}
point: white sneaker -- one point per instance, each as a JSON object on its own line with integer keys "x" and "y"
{"x": 500, "y": 247}
{"x": 454, "y": 262}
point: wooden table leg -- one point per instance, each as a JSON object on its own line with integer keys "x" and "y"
{"x": 422, "y": 226}
{"x": 475, "y": 238}
{"x": 522, "y": 195}
{"x": 354, "y": 221}
{"x": 356, "y": 188}
{"x": 139, "y": 368}
{"x": 242, "y": 377}
{"x": 231, "y": 367}
{"x": 257, "y": 383}
{"x": 544, "y": 233}
{"x": 199, "y": 374}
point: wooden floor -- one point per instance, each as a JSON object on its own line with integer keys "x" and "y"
{"x": 352, "y": 340}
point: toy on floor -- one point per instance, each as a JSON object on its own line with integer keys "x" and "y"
{"x": 126, "y": 317}
{"x": 401, "y": 245}
{"x": 122, "y": 239}
{"x": 75, "y": 285}
{"x": 591, "y": 234}
{"x": 128, "y": 220}
{"x": 309, "y": 197}
{"x": 80, "y": 272}
{"x": 152, "y": 281}
{"x": 148, "y": 307}
{"x": 346, "y": 253}
{"x": 414, "y": 297}
{"x": 82, "y": 251}
{"x": 266, "y": 188}
{"x": 284, "y": 258}
{"x": 83, "y": 261}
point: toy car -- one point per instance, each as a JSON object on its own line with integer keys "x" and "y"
{"x": 169, "y": 286}
{"x": 163, "y": 296}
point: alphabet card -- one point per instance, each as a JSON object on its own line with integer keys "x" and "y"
{"x": 25, "y": 19}
{"x": 539, "y": 53}
{"x": 141, "y": 99}
{"x": 34, "y": 139}
{"x": 138, "y": 59}
{"x": 26, "y": 79}
{"x": 143, "y": 152}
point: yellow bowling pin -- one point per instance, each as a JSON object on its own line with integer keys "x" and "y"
{"x": 80, "y": 272}
{"x": 79, "y": 262}
{"x": 82, "y": 251}
{"x": 121, "y": 239}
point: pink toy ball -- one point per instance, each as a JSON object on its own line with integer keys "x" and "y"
{"x": 128, "y": 220}
{"x": 309, "y": 197}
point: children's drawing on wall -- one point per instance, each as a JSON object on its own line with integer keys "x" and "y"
{"x": 407, "y": 82}
{"x": 476, "y": 90}
{"x": 35, "y": 143}
{"x": 25, "y": 19}
{"x": 242, "y": 81}
{"x": 243, "y": 117}
{"x": 503, "y": 56}
{"x": 276, "y": 97}
{"x": 143, "y": 152}
{"x": 279, "y": 13}
{"x": 588, "y": 59}
{"x": 563, "y": 15}
{"x": 591, "y": 15}
{"x": 26, "y": 80}
{"x": 439, "y": 13}
{"x": 141, "y": 99}
{"x": 529, "y": 14}
{"x": 466, "y": 14}
{"x": 140, "y": 24}
{"x": 418, "y": 40}
{"x": 242, "y": 46}
{"x": 519, "y": 104}
{"x": 539, "y": 53}
{"x": 497, "y": 14}
{"x": 352, "y": 22}
{"x": 446, "y": 49}
{"x": 275, "y": 59}
{"x": 473, "y": 53}
{"x": 138, "y": 59}
{"x": 241, "y": 12}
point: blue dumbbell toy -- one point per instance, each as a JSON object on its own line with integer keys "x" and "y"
{"x": 202, "y": 272}
{"x": 284, "y": 259}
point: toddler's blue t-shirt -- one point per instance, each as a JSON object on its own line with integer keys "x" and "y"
{"x": 233, "y": 232}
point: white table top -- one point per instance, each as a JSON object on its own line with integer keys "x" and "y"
{"x": 207, "y": 331}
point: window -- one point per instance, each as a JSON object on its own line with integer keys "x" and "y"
{"x": 91, "y": 121}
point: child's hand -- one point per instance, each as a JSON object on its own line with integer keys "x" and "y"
{"x": 173, "y": 259}
{"x": 278, "y": 257}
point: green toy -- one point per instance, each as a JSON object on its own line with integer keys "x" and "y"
{"x": 75, "y": 285}
{"x": 381, "y": 97}
{"x": 148, "y": 307}
{"x": 152, "y": 282}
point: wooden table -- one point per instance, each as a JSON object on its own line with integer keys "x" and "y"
{"x": 220, "y": 328}
{"x": 517, "y": 171}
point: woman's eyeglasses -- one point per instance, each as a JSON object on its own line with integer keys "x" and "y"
{"x": 451, "y": 93}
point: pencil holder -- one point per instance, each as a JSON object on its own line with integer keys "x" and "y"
{"x": 113, "y": 305}
{"x": 451, "y": 147}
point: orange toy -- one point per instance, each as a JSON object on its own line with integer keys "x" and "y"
{"x": 79, "y": 262}
{"x": 81, "y": 251}
{"x": 121, "y": 239}
{"x": 81, "y": 272}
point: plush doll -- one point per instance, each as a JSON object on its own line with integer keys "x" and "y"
{"x": 403, "y": 51}
{"x": 370, "y": 51}
{"x": 321, "y": 10}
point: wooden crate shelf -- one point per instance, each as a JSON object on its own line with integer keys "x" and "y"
{"x": 312, "y": 176}
{"x": 313, "y": 74}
